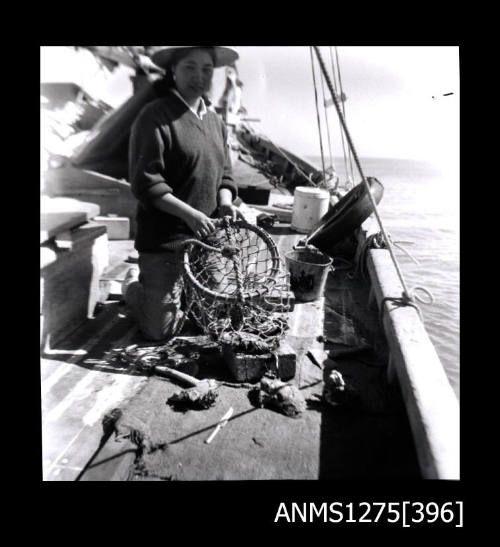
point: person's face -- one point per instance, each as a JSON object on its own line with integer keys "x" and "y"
{"x": 193, "y": 74}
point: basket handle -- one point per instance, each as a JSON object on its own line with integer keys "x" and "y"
{"x": 218, "y": 223}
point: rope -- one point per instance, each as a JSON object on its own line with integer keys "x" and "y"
{"x": 407, "y": 298}
{"x": 236, "y": 312}
{"x": 317, "y": 115}
{"x": 365, "y": 181}
{"x": 373, "y": 241}
{"x": 407, "y": 253}
{"x": 407, "y": 301}
{"x": 236, "y": 263}
{"x": 343, "y": 111}
{"x": 330, "y": 152}
{"x": 348, "y": 175}
{"x": 398, "y": 302}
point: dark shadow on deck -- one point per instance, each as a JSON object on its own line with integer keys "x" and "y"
{"x": 105, "y": 341}
{"x": 371, "y": 440}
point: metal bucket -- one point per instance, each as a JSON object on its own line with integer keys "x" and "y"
{"x": 308, "y": 273}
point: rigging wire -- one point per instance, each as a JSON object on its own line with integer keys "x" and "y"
{"x": 330, "y": 152}
{"x": 326, "y": 119}
{"x": 317, "y": 113}
{"x": 346, "y": 166}
{"x": 342, "y": 96}
{"x": 407, "y": 296}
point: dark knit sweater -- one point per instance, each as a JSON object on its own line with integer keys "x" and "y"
{"x": 172, "y": 150}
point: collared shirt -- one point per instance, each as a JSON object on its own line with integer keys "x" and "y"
{"x": 202, "y": 107}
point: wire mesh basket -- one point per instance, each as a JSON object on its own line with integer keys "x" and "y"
{"x": 237, "y": 286}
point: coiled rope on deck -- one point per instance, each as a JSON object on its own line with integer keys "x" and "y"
{"x": 408, "y": 297}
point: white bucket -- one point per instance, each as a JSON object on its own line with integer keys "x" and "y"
{"x": 309, "y": 205}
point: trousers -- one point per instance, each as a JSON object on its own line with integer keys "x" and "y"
{"x": 155, "y": 298}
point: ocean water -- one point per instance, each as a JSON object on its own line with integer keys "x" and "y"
{"x": 421, "y": 205}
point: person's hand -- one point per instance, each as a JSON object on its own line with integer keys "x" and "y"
{"x": 200, "y": 224}
{"x": 229, "y": 210}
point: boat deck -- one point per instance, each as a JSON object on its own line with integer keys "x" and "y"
{"x": 371, "y": 440}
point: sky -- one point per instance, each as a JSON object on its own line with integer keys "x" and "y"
{"x": 390, "y": 109}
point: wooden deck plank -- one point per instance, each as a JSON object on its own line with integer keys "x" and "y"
{"x": 260, "y": 444}
{"x": 256, "y": 444}
{"x": 75, "y": 434}
{"x": 186, "y": 436}
{"x": 79, "y": 390}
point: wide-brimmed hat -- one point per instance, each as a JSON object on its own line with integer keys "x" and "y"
{"x": 223, "y": 55}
